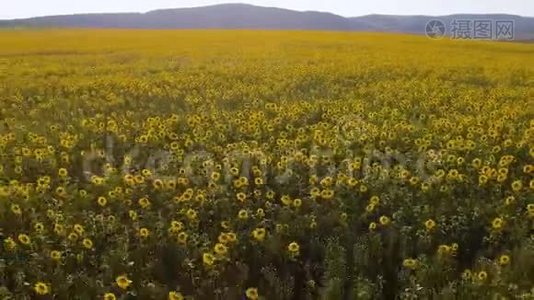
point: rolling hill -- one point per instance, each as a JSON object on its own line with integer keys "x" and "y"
{"x": 244, "y": 16}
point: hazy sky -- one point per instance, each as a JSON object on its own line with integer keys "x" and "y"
{"x": 29, "y": 8}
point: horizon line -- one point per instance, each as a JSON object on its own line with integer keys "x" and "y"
{"x": 261, "y": 6}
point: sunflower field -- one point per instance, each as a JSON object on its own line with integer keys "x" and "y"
{"x": 154, "y": 164}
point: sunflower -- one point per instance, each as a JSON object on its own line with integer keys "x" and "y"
{"x": 24, "y": 239}
{"x": 293, "y": 248}
{"x": 504, "y": 260}
{"x": 259, "y": 234}
{"x": 102, "y": 201}
{"x": 252, "y": 293}
{"x": 62, "y": 172}
{"x": 430, "y": 224}
{"x": 517, "y": 185}
{"x": 497, "y": 223}
{"x": 208, "y": 259}
{"x": 384, "y": 220}
{"x": 41, "y": 288}
{"x": 123, "y": 282}
{"x": 409, "y": 263}
{"x": 182, "y": 238}
{"x": 143, "y": 232}
{"x": 241, "y": 196}
{"x": 10, "y": 244}
{"x": 55, "y": 255}
{"x": 175, "y": 296}
{"x": 144, "y": 202}
{"x": 109, "y": 296}
{"x": 87, "y": 243}
{"x": 79, "y": 229}
{"x": 220, "y": 249}
{"x": 243, "y": 214}
{"x": 15, "y": 209}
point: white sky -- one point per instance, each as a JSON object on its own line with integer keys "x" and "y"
{"x": 29, "y": 8}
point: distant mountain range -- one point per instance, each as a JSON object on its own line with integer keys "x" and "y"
{"x": 244, "y": 16}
